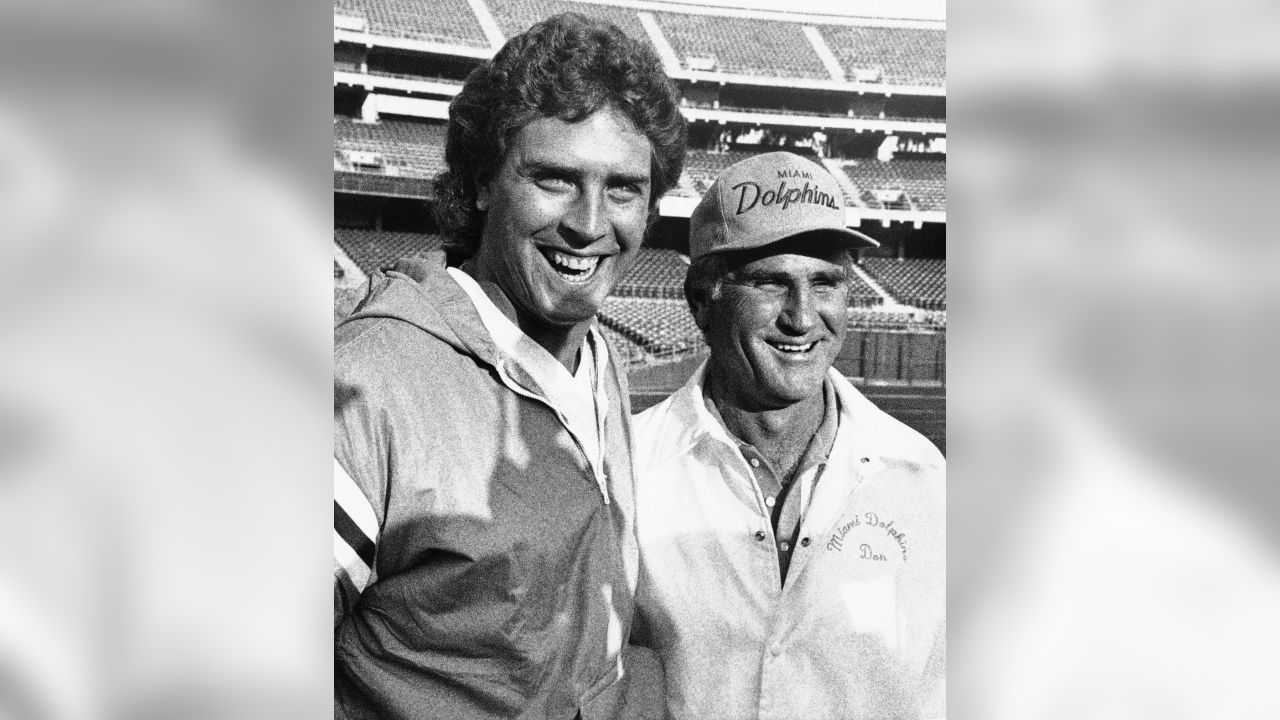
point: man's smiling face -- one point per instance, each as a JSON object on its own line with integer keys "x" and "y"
{"x": 564, "y": 216}
{"x": 778, "y": 322}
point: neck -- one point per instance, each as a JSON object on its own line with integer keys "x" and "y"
{"x": 766, "y": 428}
{"x": 562, "y": 342}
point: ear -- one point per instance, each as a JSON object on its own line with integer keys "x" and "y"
{"x": 699, "y": 307}
{"x": 702, "y": 317}
{"x": 482, "y": 196}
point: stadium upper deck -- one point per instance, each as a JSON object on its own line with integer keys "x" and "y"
{"x": 516, "y": 16}
{"x": 807, "y": 65}
{"x": 443, "y": 21}
{"x": 836, "y": 92}
{"x": 415, "y": 149}
{"x": 774, "y": 47}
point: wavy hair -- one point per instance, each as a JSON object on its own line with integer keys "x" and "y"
{"x": 568, "y": 67}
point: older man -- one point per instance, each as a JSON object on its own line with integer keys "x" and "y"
{"x": 791, "y": 533}
{"x": 484, "y": 545}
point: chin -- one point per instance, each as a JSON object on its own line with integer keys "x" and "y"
{"x": 567, "y": 315}
{"x": 800, "y": 391}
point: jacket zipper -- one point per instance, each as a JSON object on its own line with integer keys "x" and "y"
{"x": 519, "y": 389}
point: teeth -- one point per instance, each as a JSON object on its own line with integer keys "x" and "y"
{"x": 793, "y": 348}
{"x": 577, "y": 268}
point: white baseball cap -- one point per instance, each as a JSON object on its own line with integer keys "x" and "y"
{"x": 767, "y": 198}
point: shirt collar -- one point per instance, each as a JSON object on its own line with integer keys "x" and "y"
{"x": 551, "y": 378}
{"x": 863, "y": 428}
{"x": 825, "y": 436}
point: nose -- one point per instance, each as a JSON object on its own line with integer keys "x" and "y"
{"x": 800, "y": 311}
{"x": 584, "y": 220}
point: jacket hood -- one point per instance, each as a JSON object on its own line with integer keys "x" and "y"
{"x": 420, "y": 291}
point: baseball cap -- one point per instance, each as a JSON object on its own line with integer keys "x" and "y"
{"x": 767, "y": 198}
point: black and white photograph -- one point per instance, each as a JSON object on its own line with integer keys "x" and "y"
{"x": 640, "y": 361}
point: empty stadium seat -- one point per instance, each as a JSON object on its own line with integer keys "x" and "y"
{"x": 656, "y": 274}
{"x": 744, "y": 46}
{"x": 904, "y": 56}
{"x": 861, "y": 294}
{"x": 516, "y": 16}
{"x": 442, "y": 21}
{"x": 412, "y": 148}
{"x": 374, "y": 249}
{"x": 662, "y": 328}
{"x": 897, "y": 319}
{"x": 702, "y": 167}
{"x": 921, "y": 282}
{"x": 923, "y": 181}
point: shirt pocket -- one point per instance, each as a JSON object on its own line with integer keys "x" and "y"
{"x": 862, "y": 563}
{"x": 870, "y": 604}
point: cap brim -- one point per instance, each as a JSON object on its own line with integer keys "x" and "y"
{"x": 852, "y": 237}
{"x": 847, "y": 236}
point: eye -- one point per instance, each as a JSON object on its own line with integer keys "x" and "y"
{"x": 624, "y": 193}
{"x": 553, "y": 183}
{"x": 769, "y": 286}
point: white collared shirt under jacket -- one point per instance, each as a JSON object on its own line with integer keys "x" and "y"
{"x": 858, "y": 630}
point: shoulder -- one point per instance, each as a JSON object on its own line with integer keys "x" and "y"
{"x": 889, "y": 436}
{"x": 655, "y": 424}
{"x": 909, "y": 445}
{"x": 660, "y": 432}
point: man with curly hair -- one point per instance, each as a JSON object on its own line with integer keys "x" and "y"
{"x": 485, "y": 558}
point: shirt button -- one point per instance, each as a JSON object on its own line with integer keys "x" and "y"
{"x": 769, "y": 501}
{"x": 755, "y": 463}
{"x": 784, "y": 546}
{"x": 804, "y": 542}
{"x": 760, "y": 535}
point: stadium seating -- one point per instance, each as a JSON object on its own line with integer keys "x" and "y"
{"x": 760, "y": 108}
{"x": 904, "y": 56}
{"x": 662, "y": 328}
{"x": 744, "y": 46}
{"x": 442, "y": 21}
{"x": 412, "y": 148}
{"x": 920, "y": 282}
{"x": 516, "y": 16}
{"x": 656, "y": 274}
{"x": 374, "y": 249}
{"x": 702, "y": 167}
{"x": 862, "y": 295}
{"x": 924, "y": 181}
{"x": 900, "y": 319}
{"x": 747, "y": 46}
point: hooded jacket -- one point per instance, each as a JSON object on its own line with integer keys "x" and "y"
{"x": 501, "y": 577}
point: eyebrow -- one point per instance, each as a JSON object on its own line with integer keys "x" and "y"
{"x": 840, "y": 274}
{"x": 778, "y": 276}
{"x": 540, "y": 165}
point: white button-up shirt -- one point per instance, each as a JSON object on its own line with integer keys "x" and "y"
{"x": 858, "y": 631}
